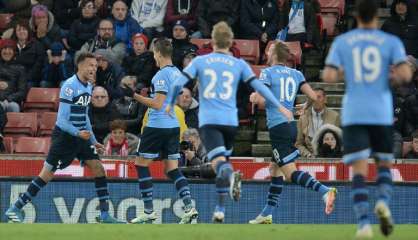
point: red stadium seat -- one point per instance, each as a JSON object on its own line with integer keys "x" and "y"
{"x": 42, "y": 100}
{"x": 21, "y": 124}
{"x": 333, "y": 5}
{"x": 47, "y": 124}
{"x": 330, "y": 23}
{"x": 8, "y": 144}
{"x": 5, "y": 19}
{"x": 32, "y": 145}
{"x": 295, "y": 51}
{"x": 249, "y": 50}
{"x": 257, "y": 69}
{"x": 200, "y": 41}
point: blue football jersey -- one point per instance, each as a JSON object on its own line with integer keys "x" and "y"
{"x": 219, "y": 75}
{"x": 366, "y": 55}
{"x": 284, "y": 82}
{"x": 161, "y": 83}
{"x": 75, "y": 97}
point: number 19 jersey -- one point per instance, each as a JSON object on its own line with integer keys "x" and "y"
{"x": 218, "y": 75}
{"x": 366, "y": 55}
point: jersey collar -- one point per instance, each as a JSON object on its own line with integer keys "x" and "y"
{"x": 83, "y": 83}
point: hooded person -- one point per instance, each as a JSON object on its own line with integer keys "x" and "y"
{"x": 181, "y": 43}
{"x": 327, "y": 142}
{"x": 43, "y": 26}
{"x": 109, "y": 72}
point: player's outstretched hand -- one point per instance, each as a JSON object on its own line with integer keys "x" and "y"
{"x": 127, "y": 91}
{"x": 99, "y": 148}
{"x": 256, "y": 98}
{"x": 84, "y": 134}
{"x": 168, "y": 111}
{"x": 288, "y": 114}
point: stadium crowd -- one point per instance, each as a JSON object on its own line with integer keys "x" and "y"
{"x": 43, "y": 38}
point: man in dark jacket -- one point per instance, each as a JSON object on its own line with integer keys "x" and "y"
{"x": 44, "y": 27}
{"x": 181, "y": 43}
{"x": 84, "y": 28}
{"x": 109, "y": 73}
{"x": 259, "y": 20}
{"x": 66, "y": 12}
{"x": 101, "y": 113}
{"x": 12, "y": 78}
{"x": 403, "y": 24}
{"x": 105, "y": 39}
{"x": 210, "y": 12}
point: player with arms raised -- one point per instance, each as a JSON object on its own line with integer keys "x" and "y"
{"x": 72, "y": 137}
{"x": 365, "y": 55}
{"x": 285, "y": 82}
{"x": 219, "y": 74}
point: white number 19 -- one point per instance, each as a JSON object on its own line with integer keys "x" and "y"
{"x": 369, "y": 60}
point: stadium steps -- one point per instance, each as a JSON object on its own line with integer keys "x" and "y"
{"x": 243, "y": 141}
{"x": 261, "y": 150}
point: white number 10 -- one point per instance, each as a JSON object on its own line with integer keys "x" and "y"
{"x": 369, "y": 60}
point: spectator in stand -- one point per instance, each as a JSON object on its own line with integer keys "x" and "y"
{"x": 312, "y": 120}
{"x": 192, "y": 149}
{"x": 101, "y": 113}
{"x": 190, "y": 107}
{"x": 83, "y": 29}
{"x": 104, "y": 8}
{"x": 140, "y": 62}
{"x": 119, "y": 142}
{"x": 181, "y": 43}
{"x": 109, "y": 73}
{"x": 181, "y": 10}
{"x": 188, "y": 58}
{"x": 44, "y": 27}
{"x": 125, "y": 25}
{"x": 22, "y": 8}
{"x": 130, "y": 110}
{"x": 327, "y": 142}
{"x": 150, "y": 15}
{"x": 411, "y": 111}
{"x": 105, "y": 40}
{"x": 303, "y": 26}
{"x": 413, "y": 152}
{"x": 403, "y": 24}
{"x": 59, "y": 67}
{"x": 3, "y": 121}
{"x": 259, "y": 20}
{"x": 210, "y": 12}
{"x": 66, "y": 12}
{"x": 30, "y": 53}
{"x": 12, "y": 78}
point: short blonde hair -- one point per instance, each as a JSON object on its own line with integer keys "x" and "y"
{"x": 222, "y": 35}
{"x": 128, "y": 78}
{"x": 281, "y": 51}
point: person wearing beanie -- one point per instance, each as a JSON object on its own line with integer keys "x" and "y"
{"x": 140, "y": 62}
{"x": 85, "y": 27}
{"x": 125, "y": 25}
{"x": 12, "y": 77}
{"x": 404, "y": 24}
{"x": 58, "y": 68}
{"x": 109, "y": 73}
{"x": 43, "y": 26}
{"x": 150, "y": 15}
{"x": 181, "y": 43}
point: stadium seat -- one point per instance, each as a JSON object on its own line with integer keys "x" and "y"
{"x": 200, "y": 41}
{"x": 5, "y": 19}
{"x": 42, "y": 100}
{"x": 32, "y": 145}
{"x": 8, "y": 144}
{"x": 337, "y": 5}
{"x": 47, "y": 124}
{"x": 21, "y": 124}
{"x": 249, "y": 50}
{"x": 295, "y": 50}
{"x": 330, "y": 24}
{"x": 257, "y": 69}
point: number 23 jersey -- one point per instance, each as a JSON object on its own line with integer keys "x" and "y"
{"x": 219, "y": 75}
{"x": 366, "y": 56}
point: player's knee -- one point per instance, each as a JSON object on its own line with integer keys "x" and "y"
{"x": 216, "y": 160}
{"x": 275, "y": 170}
{"x": 386, "y": 164}
{"x": 142, "y": 162}
{"x": 170, "y": 165}
{"x": 97, "y": 168}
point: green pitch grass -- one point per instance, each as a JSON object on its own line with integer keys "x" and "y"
{"x": 195, "y": 232}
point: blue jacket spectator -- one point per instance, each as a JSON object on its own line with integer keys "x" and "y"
{"x": 59, "y": 67}
{"x": 125, "y": 26}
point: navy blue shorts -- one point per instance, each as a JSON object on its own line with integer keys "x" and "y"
{"x": 163, "y": 143}
{"x": 218, "y": 140}
{"x": 364, "y": 141}
{"x": 283, "y": 139}
{"x": 65, "y": 148}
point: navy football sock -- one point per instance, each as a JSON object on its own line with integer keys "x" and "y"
{"x": 360, "y": 196}
{"x": 275, "y": 190}
{"x": 384, "y": 184}
{"x": 222, "y": 188}
{"x": 102, "y": 192}
{"x": 182, "y": 187}
{"x": 306, "y": 180}
{"x": 145, "y": 187}
{"x": 33, "y": 189}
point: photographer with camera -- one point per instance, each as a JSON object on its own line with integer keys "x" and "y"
{"x": 192, "y": 151}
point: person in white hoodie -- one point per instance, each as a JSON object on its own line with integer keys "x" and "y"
{"x": 150, "y": 15}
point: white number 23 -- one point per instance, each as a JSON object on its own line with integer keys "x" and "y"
{"x": 210, "y": 92}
